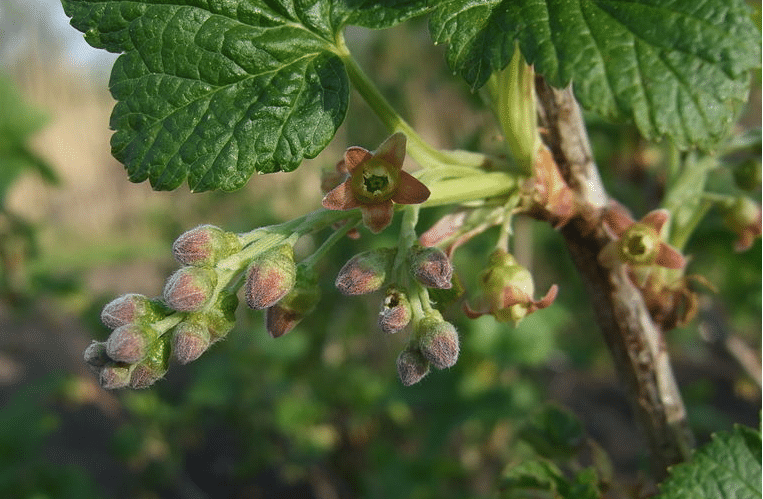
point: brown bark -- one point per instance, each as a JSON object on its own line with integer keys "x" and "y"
{"x": 635, "y": 341}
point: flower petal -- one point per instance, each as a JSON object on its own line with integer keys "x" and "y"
{"x": 669, "y": 257}
{"x": 512, "y": 295}
{"x": 656, "y": 219}
{"x": 392, "y": 150}
{"x": 548, "y": 299}
{"x": 616, "y": 217}
{"x": 410, "y": 190}
{"x": 340, "y": 198}
{"x": 377, "y": 216}
{"x": 354, "y": 156}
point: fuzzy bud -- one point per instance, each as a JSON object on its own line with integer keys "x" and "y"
{"x": 154, "y": 366}
{"x": 128, "y": 343}
{"x": 431, "y": 267}
{"x": 125, "y": 310}
{"x": 95, "y": 355}
{"x": 270, "y": 277}
{"x": 300, "y": 301}
{"x": 411, "y": 366}
{"x": 190, "y": 288}
{"x": 438, "y": 341}
{"x": 204, "y": 245}
{"x": 189, "y": 341}
{"x": 114, "y": 376}
{"x": 366, "y": 272}
{"x": 395, "y": 311}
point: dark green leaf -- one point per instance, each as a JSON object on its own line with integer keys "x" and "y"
{"x": 677, "y": 68}
{"x": 553, "y": 433}
{"x": 726, "y": 468}
{"x": 213, "y": 91}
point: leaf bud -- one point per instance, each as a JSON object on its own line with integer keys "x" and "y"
{"x": 438, "y": 341}
{"x": 114, "y": 376}
{"x": 189, "y": 341}
{"x": 204, "y": 246}
{"x": 431, "y": 267}
{"x": 154, "y": 366}
{"x": 411, "y": 366}
{"x": 128, "y": 343}
{"x": 395, "y": 311}
{"x": 190, "y": 288}
{"x": 300, "y": 301}
{"x": 95, "y": 355}
{"x": 365, "y": 272}
{"x": 125, "y": 310}
{"x": 270, "y": 277}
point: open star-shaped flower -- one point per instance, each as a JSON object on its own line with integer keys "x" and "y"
{"x": 376, "y": 180}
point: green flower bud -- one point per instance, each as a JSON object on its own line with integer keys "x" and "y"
{"x": 503, "y": 276}
{"x": 639, "y": 245}
{"x": 189, "y": 341}
{"x": 300, "y": 301}
{"x": 747, "y": 174}
{"x": 438, "y": 341}
{"x": 114, "y": 376}
{"x": 366, "y": 272}
{"x": 154, "y": 366}
{"x": 411, "y": 366}
{"x": 190, "y": 288}
{"x": 204, "y": 245}
{"x": 395, "y": 311}
{"x": 743, "y": 216}
{"x": 270, "y": 277}
{"x": 126, "y": 309}
{"x": 431, "y": 267}
{"x": 128, "y": 343}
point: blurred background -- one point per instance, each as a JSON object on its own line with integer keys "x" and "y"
{"x": 318, "y": 413}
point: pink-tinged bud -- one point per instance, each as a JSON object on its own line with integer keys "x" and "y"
{"x": 431, "y": 267}
{"x": 411, "y": 366}
{"x": 189, "y": 341}
{"x": 114, "y": 376}
{"x": 190, "y": 288}
{"x": 124, "y": 310}
{"x": 128, "y": 343}
{"x": 300, "y": 301}
{"x": 270, "y": 277}
{"x": 366, "y": 272}
{"x": 204, "y": 246}
{"x": 395, "y": 311}
{"x": 95, "y": 355}
{"x": 438, "y": 341}
{"x": 154, "y": 366}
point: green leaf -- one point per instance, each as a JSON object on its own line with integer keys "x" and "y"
{"x": 728, "y": 467}
{"x": 212, "y": 91}
{"x": 554, "y": 433}
{"x": 677, "y": 68}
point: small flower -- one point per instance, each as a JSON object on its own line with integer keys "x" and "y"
{"x": 431, "y": 267}
{"x": 292, "y": 308}
{"x": 395, "y": 311}
{"x": 128, "y": 343}
{"x": 204, "y": 245}
{"x": 365, "y": 272}
{"x": 270, "y": 277}
{"x": 411, "y": 365}
{"x": 375, "y": 181}
{"x": 438, "y": 341}
{"x": 124, "y": 310}
{"x": 189, "y": 341}
{"x": 639, "y": 243}
{"x": 508, "y": 290}
{"x": 189, "y": 288}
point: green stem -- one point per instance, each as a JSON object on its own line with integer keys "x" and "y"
{"x": 330, "y": 241}
{"x": 479, "y": 186}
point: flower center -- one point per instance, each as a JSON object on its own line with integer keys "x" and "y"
{"x": 375, "y": 181}
{"x": 639, "y": 244}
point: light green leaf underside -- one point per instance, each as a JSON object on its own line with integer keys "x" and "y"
{"x": 213, "y": 91}
{"x": 676, "y": 68}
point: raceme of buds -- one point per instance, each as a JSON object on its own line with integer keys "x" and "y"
{"x": 300, "y": 301}
{"x": 508, "y": 289}
{"x": 366, "y": 272}
{"x": 204, "y": 245}
{"x": 129, "y": 343}
{"x": 270, "y": 277}
{"x": 411, "y": 365}
{"x": 431, "y": 267}
{"x": 743, "y": 216}
{"x": 639, "y": 243}
{"x": 189, "y": 341}
{"x": 438, "y": 341}
{"x": 376, "y": 180}
{"x": 395, "y": 311}
{"x": 190, "y": 288}
{"x": 131, "y": 308}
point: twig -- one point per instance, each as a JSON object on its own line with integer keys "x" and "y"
{"x": 634, "y": 340}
